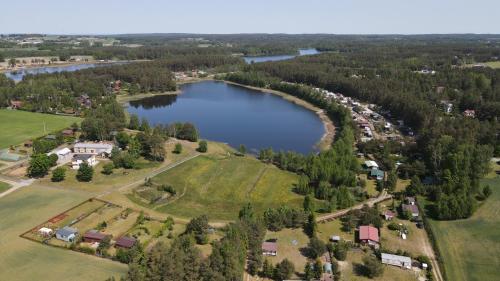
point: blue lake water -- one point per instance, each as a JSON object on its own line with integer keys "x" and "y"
{"x": 236, "y": 115}
{"x": 302, "y": 52}
{"x": 18, "y": 75}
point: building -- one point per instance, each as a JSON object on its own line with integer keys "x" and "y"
{"x": 369, "y": 235}
{"x": 79, "y": 159}
{"x": 327, "y": 268}
{"x": 16, "y": 104}
{"x": 63, "y": 155}
{"x": 389, "y": 215}
{"x": 335, "y": 238}
{"x": 45, "y": 231}
{"x": 400, "y": 261}
{"x": 125, "y": 242}
{"x": 470, "y": 113}
{"x": 67, "y": 234}
{"x": 410, "y": 200}
{"x": 413, "y": 209}
{"x": 370, "y": 164}
{"x": 377, "y": 174}
{"x": 68, "y": 133}
{"x": 101, "y": 148}
{"x": 93, "y": 236}
{"x": 270, "y": 249}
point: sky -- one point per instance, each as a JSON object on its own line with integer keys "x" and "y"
{"x": 250, "y": 16}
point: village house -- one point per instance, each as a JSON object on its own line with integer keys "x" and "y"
{"x": 16, "y": 104}
{"x": 370, "y": 164}
{"x": 125, "y": 242}
{"x": 410, "y": 200}
{"x": 68, "y": 133}
{"x": 470, "y": 113}
{"x": 67, "y": 234}
{"x": 45, "y": 231}
{"x": 270, "y": 249}
{"x": 377, "y": 174}
{"x": 368, "y": 235}
{"x": 100, "y": 149}
{"x": 389, "y": 215}
{"x": 413, "y": 209}
{"x": 400, "y": 261}
{"x": 94, "y": 236}
{"x": 63, "y": 155}
{"x": 79, "y": 159}
{"x": 84, "y": 101}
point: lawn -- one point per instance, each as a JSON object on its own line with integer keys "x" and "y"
{"x": 22, "y": 259}
{"x": 470, "y": 248}
{"x": 493, "y": 64}
{"x": 4, "y": 186}
{"x": 220, "y": 186}
{"x": 290, "y": 242}
{"x": 18, "y": 126}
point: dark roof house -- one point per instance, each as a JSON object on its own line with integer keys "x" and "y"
{"x": 94, "y": 236}
{"x": 125, "y": 242}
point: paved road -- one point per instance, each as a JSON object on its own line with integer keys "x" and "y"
{"x": 16, "y": 184}
{"x": 382, "y": 197}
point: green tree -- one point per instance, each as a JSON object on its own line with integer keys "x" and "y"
{"x": 58, "y": 174}
{"x": 85, "y": 173}
{"x": 308, "y": 272}
{"x": 145, "y": 125}
{"x": 39, "y": 165}
{"x": 107, "y": 169}
{"x": 134, "y": 122}
{"x": 284, "y": 270}
{"x": 267, "y": 269}
{"x": 487, "y": 191}
{"x": 178, "y": 148}
{"x": 372, "y": 267}
{"x": 242, "y": 149}
{"x": 303, "y": 185}
{"x": 308, "y": 204}
{"x": 316, "y": 247}
{"x": 134, "y": 148}
{"x": 310, "y": 227}
{"x": 202, "y": 146}
{"x": 318, "y": 269}
{"x": 122, "y": 139}
{"x": 340, "y": 250}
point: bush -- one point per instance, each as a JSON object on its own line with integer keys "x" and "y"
{"x": 85, "y": 173}
{"x": 316, "y": 248}
{"x": 108, "y": 168}
{"x": 178, "y": 148}
{"x": 58, "y": 174}
{"x": 372, "y": 267}
{"x": 340, "y": 251}
{"x": 202, "y": 146}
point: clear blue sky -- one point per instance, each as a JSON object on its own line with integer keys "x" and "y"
{"x": 250, "y": 16}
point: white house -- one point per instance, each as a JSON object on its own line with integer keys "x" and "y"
{"x": 63, "y": 155}
{"x": 100, "y": 148}
{"x": 45, "y": 232}
{"x": 371, "y": 164}
{"x": 401, "y": 261}
{"x": 270, "y": 249}
{"x": 67, "y": 234}
{"x": 79, "y": 159}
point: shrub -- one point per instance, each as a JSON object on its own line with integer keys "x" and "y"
{"x": 107, "y": 169}
{"x": 85, "y": 173}
{"x": 58, "y": 174}
{"x": 202, "y": 146}
{"x": 178, "y": 148}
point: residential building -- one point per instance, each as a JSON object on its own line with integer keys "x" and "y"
{"x": 93, "y": 236}
{"x": 79, "y": 159}
{"x": 377, "y": 174}
{"x": 400, "y": 261}
{"x": 369, "y": 235}
{"x": 45, "y": 231}
{"x": 470, "y": 113}
{"x": 370, "y": 164}
{"x": 389, "y": 215}
{"x": 63, "y": 155}
{"x": 270, "y": 249}
{"x": 97, "y": 148}
{"x": 413, "y": 209}
{"x": 67, "y": 234}
{"x": 125, "y": 242}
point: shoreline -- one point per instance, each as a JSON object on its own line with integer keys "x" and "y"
{"x": 323, "y": 143}
{"x": 327, "y": 139}
{"x": 54, "y": 65}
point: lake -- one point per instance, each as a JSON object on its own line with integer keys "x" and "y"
{"x": 18, "y": 75}
{"x": 302, "y": 52}
{"x": 236, "y": 115}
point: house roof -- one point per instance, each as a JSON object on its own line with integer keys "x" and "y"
{"x": 371, "y": 163}
{"x": 94, "y": 234}
{"x": 410, "y": 199}
{"x": 376, "y": 173}
{"x": 412, "y": 208}
{"x": 389, "y": 213}
{"x": 93, "y": 145}
{"x": 63, "y": 151}
{"x": 401, "y": 259}
{"x": 367, "y": 232}
{"x": 67, "y": 231}
{"x": 125, "y": 241}
{"x": 45, "y": 229}
{"x": 83, "y": 157}
{"x": 269, "y": 247}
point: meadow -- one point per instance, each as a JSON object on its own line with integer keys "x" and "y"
{"x": 470, "y": 248}
{"x": 18, "y": 126}
{"x": 4, "y": 186}
{"x": 220, "y": 186}
{"x": 22, "y": 259}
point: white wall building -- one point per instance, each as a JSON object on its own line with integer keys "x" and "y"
{"x": 401, "y": 261}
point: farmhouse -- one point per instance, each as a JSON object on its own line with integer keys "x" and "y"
{"x": 401, "y": 261}
{"x": 92, "y": 236}
{"x": 413, "y": 209}
{"x": 45, "y": 231}
{"x": 369, "y": 235}
{"x": 377, "y": 174}
{"x": 270, "y": 249}
{"x": 101, "y": 148}
{"x": 79, "y": 159}
{"x": 67, "y": 234}
{"x": 389, "y": 215}
{"x": 125, "y": 242}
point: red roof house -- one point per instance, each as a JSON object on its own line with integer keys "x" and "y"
{"x": 269, "y": 248}
{"x": 125, "y": 242}
{"x": 368, "y": 235}
{"x": 93, "y": 236}
{"x": 389, "y": 215}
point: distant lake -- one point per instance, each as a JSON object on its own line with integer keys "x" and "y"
{"x": 236, "y": 115}
{"x": 302, "y": 52}
{"x": 17, "y": 75}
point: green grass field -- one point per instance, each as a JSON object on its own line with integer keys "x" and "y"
{"x": 4, "y": 186}
{"x": 493, "y": 64}
{"x": 21, "y": 259}
{"x": 18, "y": 126}
{"x": 219, "y": 187}
{"x": 470, "y": 248}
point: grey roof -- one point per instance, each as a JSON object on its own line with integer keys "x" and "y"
{"x": 93, "y": 145}
{"x": 66, "y": 231}
{"x": 82, "y": 157}
{"x": 401, "y": 259}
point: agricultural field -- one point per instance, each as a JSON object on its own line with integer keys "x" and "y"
{"x": 22, "y": 259}
{"x": 24, "y": 125}
{"x": 470, "y": 248}
{"x": 219, "y": 185}
{"x": 4, "y": 186}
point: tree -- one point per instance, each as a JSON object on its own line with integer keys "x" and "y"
{"x": 199, "y": 227}
{"x": 340, "y": 250}
{"x": 122, "y": 139}
{"x": 308, "y": 204}
{"x": 392, "y": 180}
{"x": 134, "y": 148}
{"x": 202, "y": 146}
{"x": 242, "y": 149}
{"x": 188, "y": 132}
{"x": 107, "y": 169}
{"x": 316, "y": 247}
{"x": 372, "y": 267}
{"x": 145, "y": 125}
{"x": 284, "y": 270}
{"x": 39, "y": 165}
{"x": 267, "y": 269}
{"x": 311, "y": 227}
{"x": 12, "y": 62}
{"x": 58, "y": 174}
{"x": 487, "y": 191}
{"x": 308, "y": 272}
{"x": 318, "y": 269}
{"x": 303, "y": 185}
{"x": 85, "y": 173}
{"x": 178, "y": 148}
{"x": 134, "y": 122}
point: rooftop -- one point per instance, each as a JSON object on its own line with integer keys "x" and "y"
{"x": 269, "y": 247}
{"x": 125, "y": 242}
{"x": 66, "y": 231}
{"x": 367, "y": 232}
{"x": 402, "y": 259}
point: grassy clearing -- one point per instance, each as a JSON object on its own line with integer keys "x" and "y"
{"x": 470, "y": 248}
{"x": 219, "y": 187}
{"x": 18, "y": 126}
{"x": 4, "y": 186}
{"x": 330, "y": 228}
{"x": 22, "y": 259}
{"x": 493, "y": 64}
{"x": 413, "y": 244}
{"x": 290, "y": 242}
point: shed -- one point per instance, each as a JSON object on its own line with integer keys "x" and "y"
{"x": 45, "y": 231}
{"x": 94, "y": 236}
{"x": 335, "y": 238}
{"x": 371, "y": 164}
{"x": 377, "y": 174}
{"x": 327, "y": 267}
{"x": 401, "y": 261}
{"x": 389, "y": 215}
{"x": 125, "y": 242}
